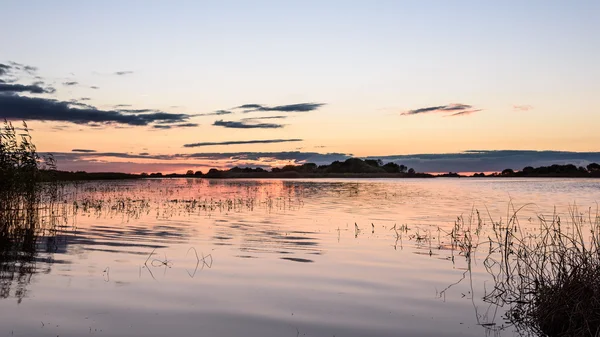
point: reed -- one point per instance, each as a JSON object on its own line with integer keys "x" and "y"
{"x": 546, "y": 273}
{"x": 23, "y": 193}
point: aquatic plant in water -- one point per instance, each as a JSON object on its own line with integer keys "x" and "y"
{"x": 22, "y": 171}
{"x": 548, "y": 276}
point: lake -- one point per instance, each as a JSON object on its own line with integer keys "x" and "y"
{"x": 198, "y": 257}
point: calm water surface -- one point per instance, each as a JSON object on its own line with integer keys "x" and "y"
{"x": 194, "y": 257}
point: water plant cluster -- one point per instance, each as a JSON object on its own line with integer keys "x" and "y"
{"x": 25, "y": 188}
{"x": 546, "y": 271}
{"x": 28, "y": 206}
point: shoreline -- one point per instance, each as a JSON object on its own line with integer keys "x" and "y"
{"x": 99, "y": 176}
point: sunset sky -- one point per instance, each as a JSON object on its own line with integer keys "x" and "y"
{"x": 174, "y": 85}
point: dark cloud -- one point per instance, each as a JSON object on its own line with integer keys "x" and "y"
{"x": 299, "y": 107}
{"x": 172, "y": 126}
{"x": 94, "y": 87}
{"x": 34, "y": 89}
{"x": 144, "y": 154}
{"x": 259, "y": 118}
{"x": 487, "y": 161}
{"x": 243, "y": 125}
{"x": 121, "y": 73}
{"x": 522, "y": 107}
{"x": 137, "y": 111}
{"x": 85, "y": 99}
{"x": 456, "y": 109}
{"x": 70, "y": 83}
{"x": 249, "y": 106}
{"x": 83, "y": 150}
{"x": 240, "y": 142}
{"x": 73, "y": 161}
{"x": 4, "y": 69}
{"x": 14, "y": 107}
{"x": 122, "y": 106}
{"x": 187, "y": 125}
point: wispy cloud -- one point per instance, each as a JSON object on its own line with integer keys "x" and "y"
{"x": 112, "y": 161}
{"x": 4, "y": 69}
{"x": 83, "y": 151}
{"x": 216, "y": 113}
{"x": 240, "y": 142}
{"x": 173, "y": 126}
{"x": 125, "y": 72}
{"x": 453, "y": 110}
{"x": 33, "y": 89}
{"x": 23, "y": 67}
{"x": 299, "y": 107}
{"x": 70, "y": 83}
{"x": 137, "y": 111}
{"x": 75, "y": 103}
{"x": 260, "y": 118}
{"x": 243, "y": 125}
{"x": 522, "y": 107}
{"x": 463, "y": 113}
{"x": 94, "y": 87}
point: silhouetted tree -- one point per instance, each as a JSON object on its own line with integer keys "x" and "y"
{"x": 593, "y": 167}
{"x": 374, "y": 162}
{"x": 391, "y": 167}
{"x": 528, "y": 170}
{"x": 144, "y": 174}
{"x": 508, "y": 172}
{"x": 198, "y": 173}
{"x": 411, "y": 171}
{"x": 214, "y": 173}
{"x": 189, "y": 173}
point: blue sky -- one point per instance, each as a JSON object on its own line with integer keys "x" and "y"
{"x": 527, "y": 70}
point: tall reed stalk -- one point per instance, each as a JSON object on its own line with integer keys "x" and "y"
{"x": 547, "y": 275}
{"x": 22, "y": 190}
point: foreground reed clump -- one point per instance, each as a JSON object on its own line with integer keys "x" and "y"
{"x": 546, "y": 274}
{"x": 23, "y": 193}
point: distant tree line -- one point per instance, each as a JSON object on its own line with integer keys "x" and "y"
{"x": 349, "y": 167}
{"x": 352, "y": 167}
{"x": 569, "y": 170}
